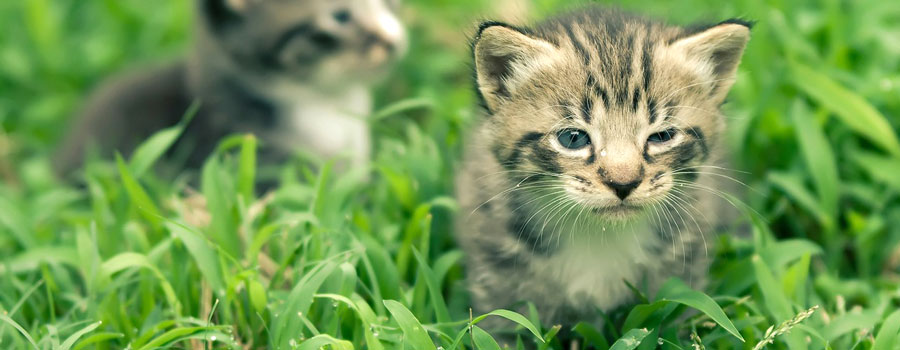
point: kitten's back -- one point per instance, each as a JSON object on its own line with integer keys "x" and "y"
{"x": 122, "y": 112}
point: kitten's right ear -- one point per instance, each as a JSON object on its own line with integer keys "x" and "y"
{"x": 504, "y": 57}
{"x": 221, "y": 13}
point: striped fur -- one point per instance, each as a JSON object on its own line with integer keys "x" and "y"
{"x": 563, "y": 227}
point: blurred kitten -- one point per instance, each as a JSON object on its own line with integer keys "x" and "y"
{"x": 296, "y": 73}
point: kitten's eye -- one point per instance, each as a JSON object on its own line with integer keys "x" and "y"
{"x": 342, "y": 16}
{"x": 662, "y": 137}
{"x": 573, "y": 138}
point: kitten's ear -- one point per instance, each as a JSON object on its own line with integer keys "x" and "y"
{"x": 221, "y": 13}
{"x": 718, "y": 49}
{"x": 505, "y": 56}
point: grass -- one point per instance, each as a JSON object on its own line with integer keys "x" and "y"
{"x": 366, "y": 260}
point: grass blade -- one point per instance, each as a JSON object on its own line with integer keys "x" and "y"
{"x": 820, "y": 161}
{"x": 434, "y": 290}
{"x": 413, "y": 331}
{"x": 483, "y": 340}
{"x": 136, "y": 192}
{"x": 887, "y": 336}
{"x": 853, "y": 110}
{"x": 70, "y": 341}
{"x": 205, "y": 256}
{"x": 631, "y": 340}
{"x": 153, "y": 148}
{"x": 676, "y": 291}
{"x": 322, "y": 340}
{"x": 19, "y": 328}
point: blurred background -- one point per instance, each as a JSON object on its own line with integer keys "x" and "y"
{"x": 813, "y": 122}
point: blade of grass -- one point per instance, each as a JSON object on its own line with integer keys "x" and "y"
{"x": 137, "y": 194}
{"x": 19, "y": 328}
{"x": 148, "y": 152}
{"x": 70, "y": 341}
{"x": 819, "y": 157}
{"x": 631, "y": 340}
{"x": 675, "y": 290}
{"x": 887, "y": 335}
{"x": 852, "y": 109}
{"x": 322, "y": 340}
{"x": 413, "y": 331}
{"x": 204, "y": 256}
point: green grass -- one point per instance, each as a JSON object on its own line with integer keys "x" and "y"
{"x": 366, "y": 259}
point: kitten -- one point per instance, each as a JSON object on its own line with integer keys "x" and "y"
{"x": 589, "y": 169}
{"x": 293, "y": 72}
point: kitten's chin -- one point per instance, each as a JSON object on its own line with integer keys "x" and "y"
{"x": 621, "y": 213}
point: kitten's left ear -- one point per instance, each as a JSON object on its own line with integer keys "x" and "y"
{"x": 718, "y": 49}
{"x": 505, "y": 56}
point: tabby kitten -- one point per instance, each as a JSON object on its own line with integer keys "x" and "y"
{"x": 294, "y": 72}
{"x": 589, "y": 169}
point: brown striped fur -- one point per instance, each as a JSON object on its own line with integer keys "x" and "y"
{"x": 563, "y": 227}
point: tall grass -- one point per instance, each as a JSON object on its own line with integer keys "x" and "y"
{"x": 365, "y": 259}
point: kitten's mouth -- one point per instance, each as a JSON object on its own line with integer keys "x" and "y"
{"x": 618, "y": 210}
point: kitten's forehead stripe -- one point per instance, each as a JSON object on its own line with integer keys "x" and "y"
{"x": 585, "y": 55}
{"x": 587, "y": 107}
{"x": 646, "y": 65}
{"x": 651, "y": 110}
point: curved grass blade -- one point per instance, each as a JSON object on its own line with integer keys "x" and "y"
{"x": 413, "y": 331}
{"x": 70, "y": 341}
{"x": 887, "y": 336}
{"x": 153, "y": 148}
{"x": 19, "y": 328}
{"x": 322, "y": 340}
{"x": 676, "y": 291}
{"x": 852, "y": 109}
{"x": 631, "y": 340}
{"x": 483, "y": 340}
{"x": 205, "y": 256}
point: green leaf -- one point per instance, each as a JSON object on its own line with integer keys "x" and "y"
{"x": 774, "y": 300}
{"x": 414, "y": 333}
{"x": 792, "y": 184}
{"x": 136, "y": 192}
{"x": 880, "y": 168}
{"x": 852, "y": 109}
{"x": 434, "y": 290}
{"x": 247, "y": 170}
{"x": 887, "y": 335}
{"x": 676, "y": 291}
{"x": 400, "y": 107}
{"x": 96, "y": 338}
{"x": 483, "y": 340}
{"x": 630, "y": 340}
{"x": 783, "y": 252}
{"x": 19, "y": 328}
{"x": 820, "y": 161}
{"x": 591, "y": 335}
{"x": 322, "y": 340}
{"x": 70, "y": 341}
{"x": 205, "y": 256}
{"x": 153, "y": 148}
{"x": 129, "y": 260}
{"x": 850, "y": 322}
{"x": 257, "y": 295}
{"x": 288, "y": 320}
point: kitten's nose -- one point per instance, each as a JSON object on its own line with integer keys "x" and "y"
{"x": 622, "y": 190}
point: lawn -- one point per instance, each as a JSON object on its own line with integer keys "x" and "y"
{"x": 365, "y": 259}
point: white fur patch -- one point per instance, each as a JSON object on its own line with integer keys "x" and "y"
{"x": 328, "y": 124}
{"x": 593, "y": 265}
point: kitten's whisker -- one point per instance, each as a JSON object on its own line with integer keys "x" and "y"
{"x": 718, "y": 175}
